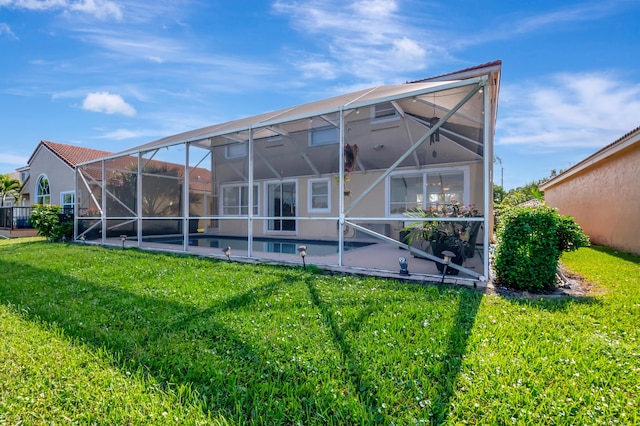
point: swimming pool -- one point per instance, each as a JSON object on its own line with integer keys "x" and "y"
{"x": 261, "y": 244}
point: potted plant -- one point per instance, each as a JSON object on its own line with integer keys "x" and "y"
{"x": 455, "y": 236}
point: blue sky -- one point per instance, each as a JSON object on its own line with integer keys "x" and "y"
{"x": 113, "y": 74}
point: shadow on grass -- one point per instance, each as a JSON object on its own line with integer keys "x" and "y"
{"x": 239, "y": 378}
{"x": 628, "y": 257}
{"x": 445, "y": 374}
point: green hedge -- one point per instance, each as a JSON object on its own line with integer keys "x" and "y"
{"x": 530, "y": 243}
{"x": 46, "y": 220}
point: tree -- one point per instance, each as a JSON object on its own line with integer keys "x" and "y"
{"x": 498, "y": 194}
{"x": 8, "y": 187}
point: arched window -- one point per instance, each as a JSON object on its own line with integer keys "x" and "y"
{"x": 43, "y": 192}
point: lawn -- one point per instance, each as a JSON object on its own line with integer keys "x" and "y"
{"x": 101, "y": 335}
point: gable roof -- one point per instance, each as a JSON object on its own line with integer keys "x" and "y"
{"x": 70, "y": 154}
{"x": 623, "y": 142}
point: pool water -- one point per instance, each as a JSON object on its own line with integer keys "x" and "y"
{"x": 260, "y": 244}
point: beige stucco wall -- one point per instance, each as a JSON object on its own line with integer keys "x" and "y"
{"x": 605, "y": 200}
{"x": 61, "y": 176}
{"x": 373, "y": 205}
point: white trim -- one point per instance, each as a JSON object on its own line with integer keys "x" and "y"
{"x": 62, "y": 194}
{"x": 249, "y": 207}
{"x": 266, "y": 185}
{"x": 386, "y": 118}
{"x": 229, "y": 154}
{"x": 424, "y": 172}
{"x": 37, "y": 187}
{"x": 326, "y": 128}
{"x": 310, "y": 207}
{"x": 597, "y": 157}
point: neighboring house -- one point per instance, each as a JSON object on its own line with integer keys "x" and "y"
{"x": 602, "y": 193}
{"x": 337, "y": 175}
{"x": 49, "y": 176}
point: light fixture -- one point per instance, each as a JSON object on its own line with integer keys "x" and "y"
{"x": 404, "y": 270}
{"x": 303, "y": 253}
{"x": 227, "y": 252}
{"x": 123, "y": 238}
{"x": 448, "y": 256}
{"x": 378, "y": 146}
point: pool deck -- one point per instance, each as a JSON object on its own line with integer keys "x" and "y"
{"x": 378, "y": 259}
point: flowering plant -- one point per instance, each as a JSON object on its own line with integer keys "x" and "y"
{"x": 444, "y": 234}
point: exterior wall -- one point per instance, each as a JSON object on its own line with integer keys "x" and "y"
{"x": 61, "y": 177}
{"x": 373, "y": 205}
{"x": 604, "y": 199}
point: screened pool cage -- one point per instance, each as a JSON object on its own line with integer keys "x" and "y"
{"x": 337, "y": 176}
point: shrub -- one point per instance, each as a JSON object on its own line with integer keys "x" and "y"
{"x": 530, "y": 243}
{"x": 46, "y": 219}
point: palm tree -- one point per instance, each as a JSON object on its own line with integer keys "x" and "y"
{"x": 8, "y": 186}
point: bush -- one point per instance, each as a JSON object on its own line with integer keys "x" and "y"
{"x": 46, "y": 220}
{"x": 530, "y": 243}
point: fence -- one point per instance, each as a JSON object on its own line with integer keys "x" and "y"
{"x": 15, "y": 217}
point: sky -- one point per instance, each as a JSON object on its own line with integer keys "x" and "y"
{"x": 114, "y": 74}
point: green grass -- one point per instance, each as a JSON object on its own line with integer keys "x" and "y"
{"x": 95, "y": 335}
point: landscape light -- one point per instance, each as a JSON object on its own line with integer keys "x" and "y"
{"x": 448, "y": 256}
{"x": 303, "y": 253}
{"x": 404, "y": 265}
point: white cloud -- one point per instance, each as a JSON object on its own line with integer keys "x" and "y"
{"x": 121, "y": 134}
{"x": 101, "y": 9}
{"x": 568, "y": 110}
{"x": 13, "y": 160}
{"x": 369, "y": 39}
{"x": 6, "y": 29}
{"x": 107, "y": 103}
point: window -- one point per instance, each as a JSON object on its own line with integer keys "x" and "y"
{"x": 323, "y": 136}
{"x": 43, "y": 193}
{"x": 66, "y": 201}
{"x": 235, "y": 200}
{"x": 407, "y": 192}
{"x": 319, "y": 195}
{"x": 428, "y": 189}
{"x": 236, "y": 150}
{"x": 384, "y": 111}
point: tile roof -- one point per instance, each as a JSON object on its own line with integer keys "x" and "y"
{"x": 71, "y": 154}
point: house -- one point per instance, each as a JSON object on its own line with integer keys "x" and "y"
{"x": 602, "y": 194}
{"x": 49, "y": 176}
{"x": 337, "y": 175}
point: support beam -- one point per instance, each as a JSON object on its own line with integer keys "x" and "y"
{"x": 417, "y": 145}
{"x": 310, "y": 163}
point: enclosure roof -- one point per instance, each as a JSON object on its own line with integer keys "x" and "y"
{"x": 361, "y": 98}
